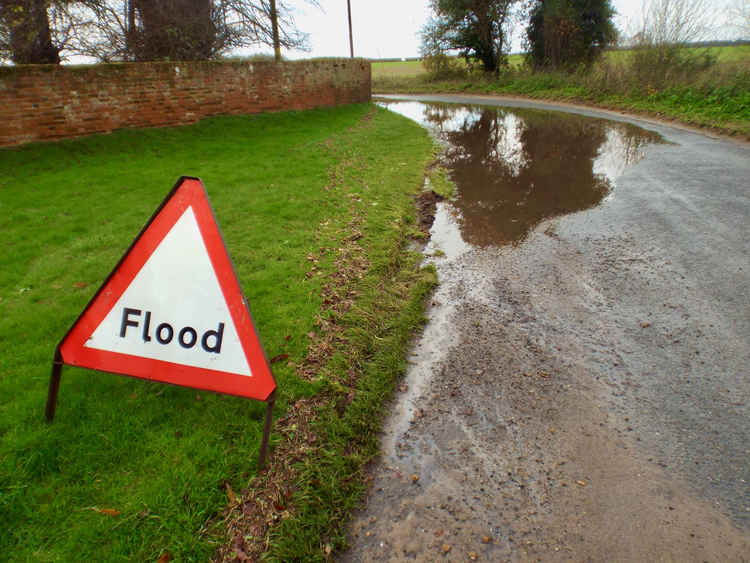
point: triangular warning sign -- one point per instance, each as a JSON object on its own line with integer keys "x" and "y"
{"x": 172, "y": 310}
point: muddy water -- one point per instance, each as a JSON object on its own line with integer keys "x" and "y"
{"x": 517, "y": 167}
{"x": 579, "y": 392}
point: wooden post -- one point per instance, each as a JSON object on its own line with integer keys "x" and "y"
{"x": 351, "y": 37}
{"x": 275, "y": 32}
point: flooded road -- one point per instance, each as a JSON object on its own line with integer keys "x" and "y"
{"x": 516, "y": 168}
{"x": 581, "y": 391}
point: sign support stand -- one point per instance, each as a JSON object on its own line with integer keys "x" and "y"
{"x": 266, "y": 431}
{"x": 54, "y": 389}
{"x": 54, "y": 385}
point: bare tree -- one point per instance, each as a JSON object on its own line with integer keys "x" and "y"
{"x": 139, "y": 30}
{"x": 675, "y": 22}
{"x": 26, "y": 36}
{"x": 172, "y": 29}
{"x": 250, "y": 24}
{"x": 665, "y": 28}
{"x": 95, "y": 28}
{"x": 739, "y": 17}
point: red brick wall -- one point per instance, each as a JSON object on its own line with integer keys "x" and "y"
{"x": 52, "y": 102}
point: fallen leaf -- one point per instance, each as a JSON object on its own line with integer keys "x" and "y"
{"x": 279, "y": 358}
{"x": 230, "y": 493}
{"x": 240, "y": 555}
{"x": 81, "y": 284}
{"x": 486, "y": 539}
{"x": 288, "y": 337}
{"x": 472, "y": 556}
{"x": 164, "y": 557}
{"x": 645, "y": 325}
{"x": 439, "y": 533}
{"x": 581, "y": 483}
{"x": 414, "y": 478}
{"x": 446, "y": 548}
{"x": 109, "y": 511}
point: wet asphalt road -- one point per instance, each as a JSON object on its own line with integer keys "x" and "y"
{"x": 585, "y": 394}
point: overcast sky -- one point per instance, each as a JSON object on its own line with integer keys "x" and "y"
{"x": 390, "y": 28}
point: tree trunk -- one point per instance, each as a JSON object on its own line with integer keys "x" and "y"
{"x": 486, "y": 47}
{"x": 30, "y": 38}
{"x": 174, "y": 29}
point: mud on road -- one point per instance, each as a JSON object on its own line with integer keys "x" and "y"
{"x": 581, "y": 395}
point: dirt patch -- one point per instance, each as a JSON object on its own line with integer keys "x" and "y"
{"x": 252, "y": 512}
{"x": 426, "y": 204}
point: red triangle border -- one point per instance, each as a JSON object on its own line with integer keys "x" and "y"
{"x": 187, "y": 192}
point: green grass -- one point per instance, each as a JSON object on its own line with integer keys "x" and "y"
{"x": 716, "y": 97}
{"x": 396, "y": 68}
{"x": 132, "y": 470}
{"x": 411, "y": 69}
{"x": 726, "y": 54}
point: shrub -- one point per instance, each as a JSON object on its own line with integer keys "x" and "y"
{"x": 440, "y": 66}
{"x": 662, "y": 65}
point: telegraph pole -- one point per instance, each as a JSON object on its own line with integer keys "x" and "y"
{"x": 275, "y": 32}
{"x": 351, "y": 38}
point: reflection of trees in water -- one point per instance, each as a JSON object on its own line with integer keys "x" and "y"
{"x": 515, "y": 169}
{"x": 624, "y": 146}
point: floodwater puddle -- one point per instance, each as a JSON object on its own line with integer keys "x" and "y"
{"x": 514, "y": 168}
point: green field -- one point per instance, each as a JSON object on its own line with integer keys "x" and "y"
{"x": 714, "y": 95}
{"x": 412, "y": 69}
{"x": 138, "y": 471}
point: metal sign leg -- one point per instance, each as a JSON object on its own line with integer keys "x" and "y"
{"x": 54, "y": 386}
{"x": 266, "y": 432}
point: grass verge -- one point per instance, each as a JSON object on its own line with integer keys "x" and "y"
{"x": 716, "y": 97}
{"x": 316, "y": 209}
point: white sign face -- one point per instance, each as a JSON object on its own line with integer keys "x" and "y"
{"x": 174, "y": 309}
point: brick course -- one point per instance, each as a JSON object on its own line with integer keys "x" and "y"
{"x": 43, "y": 102}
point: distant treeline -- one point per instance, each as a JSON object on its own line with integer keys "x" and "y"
{"x": 396, "y": 59}
{"x": 697, "y": 44}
